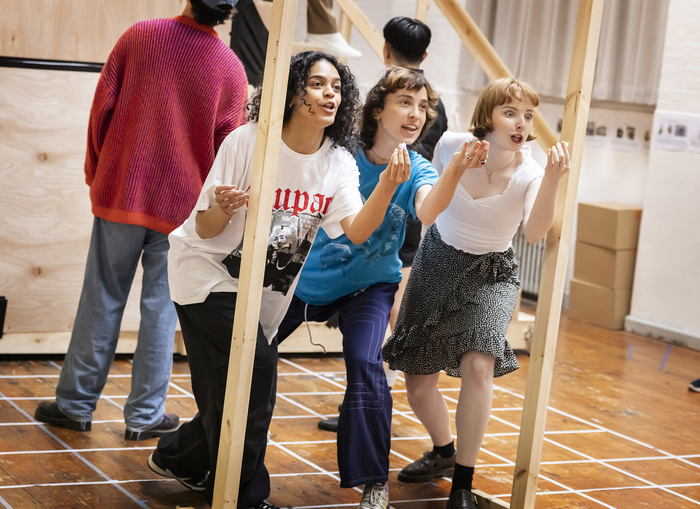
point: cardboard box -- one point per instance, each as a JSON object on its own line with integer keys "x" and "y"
{"x": 599, "y": 305}
{"x": 604, "y": 267}
{"x": 611, "y": 225}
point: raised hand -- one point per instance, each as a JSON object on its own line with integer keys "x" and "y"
{"x": 470, "y": 156}
{"x": 398, "y": 170}
{"x": 230, "y": 199}
{"x": 558, "y": 162}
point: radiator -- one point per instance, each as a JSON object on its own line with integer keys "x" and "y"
{"x": 529, "y": 258}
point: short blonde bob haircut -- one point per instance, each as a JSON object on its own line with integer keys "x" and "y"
{"x": 502, "y": 91}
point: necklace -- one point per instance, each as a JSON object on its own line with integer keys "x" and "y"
{"x": 489, "y": 171}
{"x": 380, "y": 159}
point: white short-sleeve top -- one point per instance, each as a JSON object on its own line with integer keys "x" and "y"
{"x": 483, "y": 225}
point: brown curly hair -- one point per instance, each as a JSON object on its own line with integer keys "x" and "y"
{"x": 502, "y": 91}
{"x": 393, "y": 79}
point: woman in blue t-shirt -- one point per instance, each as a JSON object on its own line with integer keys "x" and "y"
{"x": 359, "y": 281}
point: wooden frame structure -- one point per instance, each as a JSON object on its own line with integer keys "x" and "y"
{"x": 556, "y": 249}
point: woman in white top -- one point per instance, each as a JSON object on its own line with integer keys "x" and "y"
{"x": 316, "y": 187}
{"x": 464, "y": 284}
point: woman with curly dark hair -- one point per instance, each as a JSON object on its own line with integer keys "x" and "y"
{"x": 316, "y": 188}
{"x": 359, "y": 281}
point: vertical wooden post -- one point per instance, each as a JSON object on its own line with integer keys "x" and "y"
{"x": 485, "y": 54}
{"x": 363, "y": 25}
{"x": 257, "y": 230}
{"x": 556, "y": 255}
{"x": 344, "y": 26}
{"x": 422, "y": 10}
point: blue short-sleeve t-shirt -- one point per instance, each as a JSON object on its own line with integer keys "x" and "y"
{"x": 337, "y": 267}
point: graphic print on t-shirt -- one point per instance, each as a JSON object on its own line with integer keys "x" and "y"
{"x": 288, "y": 245}
{"x": 384, "y": 241}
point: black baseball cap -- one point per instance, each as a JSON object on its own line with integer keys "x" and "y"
{"x": 220, "y": 5}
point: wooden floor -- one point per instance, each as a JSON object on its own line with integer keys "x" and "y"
{"x": 623, "y": 431}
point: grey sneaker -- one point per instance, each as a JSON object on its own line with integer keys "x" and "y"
{"x": 430, "y": 466}
{"x": 375, "y": 496}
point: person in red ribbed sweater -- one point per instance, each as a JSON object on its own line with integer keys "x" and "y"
{"x": 168, "y": 95}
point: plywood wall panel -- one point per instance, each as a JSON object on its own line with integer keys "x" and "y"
{"x": 82, "y": 30}
{"x": 46, "y": 221}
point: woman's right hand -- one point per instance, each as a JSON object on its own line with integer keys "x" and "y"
{"x": 230, "y": 199}
{"x": 398, "y": 170}
{"x": 470, "y": 156}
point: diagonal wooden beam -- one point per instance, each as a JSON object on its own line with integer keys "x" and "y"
{"x": 556, "y": 256}
{"x": 257, "y": 230}
{"x": 363, "y": 25}
{"x": 489, "y": 60}
{"x": 422, "y": 10}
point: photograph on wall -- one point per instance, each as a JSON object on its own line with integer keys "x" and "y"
{"x": 671, "y": 132}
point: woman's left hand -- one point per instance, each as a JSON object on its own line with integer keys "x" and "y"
{"x": 398, "y": 170}
{"x": 558, "y": 162}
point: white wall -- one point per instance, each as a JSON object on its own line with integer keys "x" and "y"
{"x": 666, "y": 295}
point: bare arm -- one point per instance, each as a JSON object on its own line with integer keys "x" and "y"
{"x": 210, "y": 223}
{"x": 358, "y": 227}
{"x": 430, "y": 201}
{"x": 541, "y": 196}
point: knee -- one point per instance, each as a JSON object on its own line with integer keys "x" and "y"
{"x": 478, "y": 368}
{"x": 418, "y": 388}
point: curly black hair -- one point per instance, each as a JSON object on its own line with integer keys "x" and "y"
{"x": 393, "y": 79}
{"x": 343, "y": 131}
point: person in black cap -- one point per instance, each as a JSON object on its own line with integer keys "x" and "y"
{"x": 145, "y": 167}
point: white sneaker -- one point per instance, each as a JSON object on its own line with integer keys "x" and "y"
{"x": 334, "y": 44}
{"x": 375, "y": 496}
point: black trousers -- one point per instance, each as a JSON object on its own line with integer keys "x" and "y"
{"x": 193, "y": 448}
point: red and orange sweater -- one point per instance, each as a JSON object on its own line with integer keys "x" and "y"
{"x": 168, "y": 95}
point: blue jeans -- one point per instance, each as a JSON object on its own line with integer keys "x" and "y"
{"x": 364, "y": 426}
{"x": 115, "y": 249}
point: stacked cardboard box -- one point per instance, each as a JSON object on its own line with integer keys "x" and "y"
{"x": 606, "y": 249}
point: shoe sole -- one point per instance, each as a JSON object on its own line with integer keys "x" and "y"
{"x": 167, "y": 473}
{"x": 66, "y": 422}
{"x": 443, "y": 472}
{"x": 693, "y": 388}
{"x": 145, "y": 435}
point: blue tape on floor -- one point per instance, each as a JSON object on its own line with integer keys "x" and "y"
{"x": 663, "y": 361}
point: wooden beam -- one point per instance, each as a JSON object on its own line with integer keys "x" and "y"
{"x": 556, "y": 256}
{"x": 344, "y": 26}
{"x": 422, "y": 9}
{"x": 363, "y": 25}
{"x": 485, "y": 54}
{"x": 257, "y": 229}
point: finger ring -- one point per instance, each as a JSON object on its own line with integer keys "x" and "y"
{"x": 483, "y": 161}
{"x": 469, "y": 158}
{"x": 561, "y": 161}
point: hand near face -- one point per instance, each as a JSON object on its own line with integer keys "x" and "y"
{"x": 558, "y": 161}
{"x": 230, "y": 199}
{"x": 398, "y": 170}
{"x": 470, "y": 156}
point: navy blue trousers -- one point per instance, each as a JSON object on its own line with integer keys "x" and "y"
{"x": 364, "y": 428}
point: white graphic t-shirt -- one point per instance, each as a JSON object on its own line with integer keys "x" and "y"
{"x": 312, "y": 191}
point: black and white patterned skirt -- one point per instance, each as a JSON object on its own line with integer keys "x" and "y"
{"x": 455, "y": 302}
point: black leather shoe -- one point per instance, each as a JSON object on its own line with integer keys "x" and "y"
{"x": 170, "y": 422}
{"x": 461, "y": 499}
{"x": 430, "y": 466}
{"x": 330, "y": 424}
{"x": 48, "y": 412}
